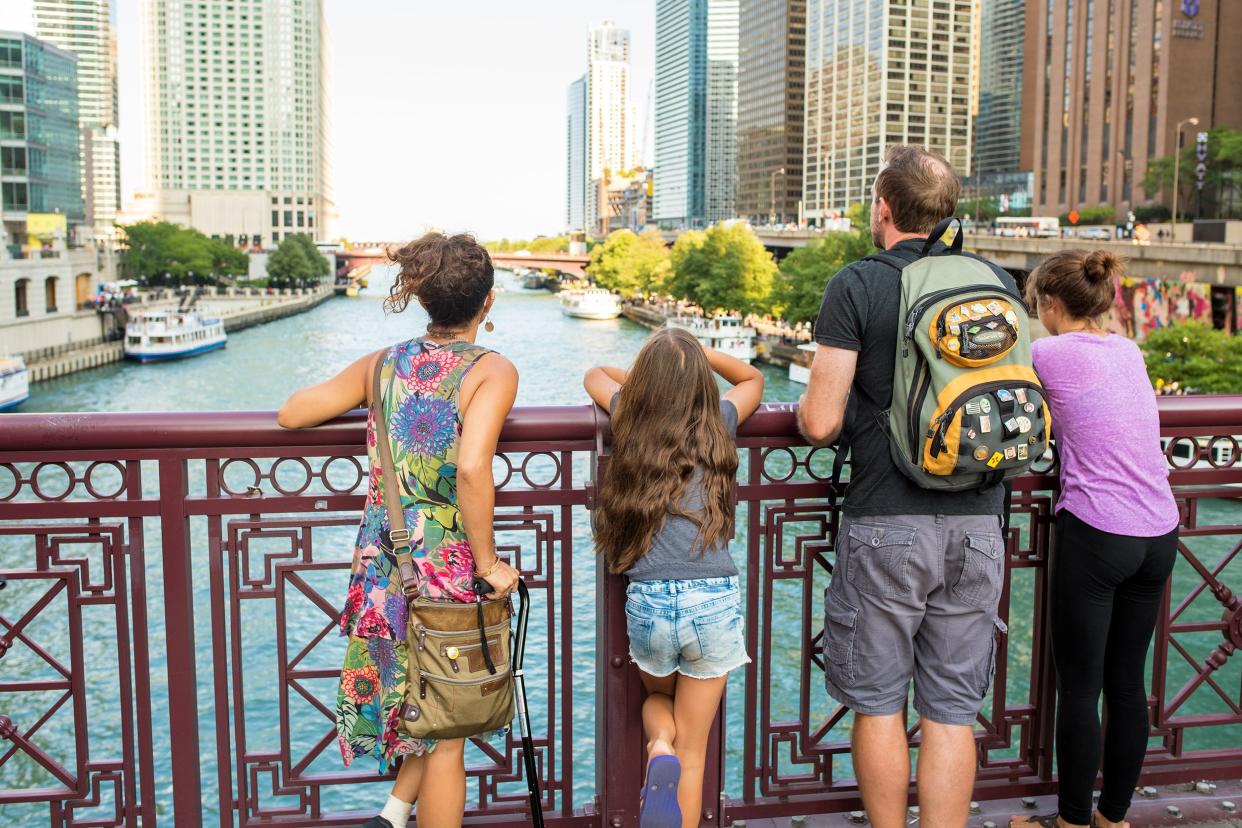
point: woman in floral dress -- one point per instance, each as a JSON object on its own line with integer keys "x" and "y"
{"x": 446, "y": 399}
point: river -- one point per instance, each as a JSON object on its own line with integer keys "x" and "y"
{"x": 262, "y": 365}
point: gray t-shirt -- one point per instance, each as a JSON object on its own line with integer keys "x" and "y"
{"x": 672, "y": 556}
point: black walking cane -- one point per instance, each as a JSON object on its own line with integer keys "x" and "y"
{"x": 482, "y": 587}
{"x": 519, "y": 689}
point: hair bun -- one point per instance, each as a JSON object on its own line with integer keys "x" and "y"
{"x": 1101, "y": 266}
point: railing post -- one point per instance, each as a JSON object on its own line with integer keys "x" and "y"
{"x": 179, "y": 632}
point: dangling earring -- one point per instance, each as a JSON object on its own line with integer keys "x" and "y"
{"x": 488, "y": 326}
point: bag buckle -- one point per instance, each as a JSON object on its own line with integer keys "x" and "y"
{"x": 399, "y": 536}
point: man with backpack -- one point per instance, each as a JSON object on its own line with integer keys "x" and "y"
{"x": 931, "y": 349}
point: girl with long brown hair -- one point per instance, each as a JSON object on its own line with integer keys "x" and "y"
{"x": 664, "y": 519}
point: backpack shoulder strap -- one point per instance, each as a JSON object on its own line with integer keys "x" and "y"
{"x": 894, "y": 261}
{"x": 943, "y": 227}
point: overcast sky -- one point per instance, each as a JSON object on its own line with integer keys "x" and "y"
{"x": 445, "y": 114}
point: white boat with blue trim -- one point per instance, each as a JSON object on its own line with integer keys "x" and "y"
{"x": 14, "y": 382}
{"x": 725, "y": 333}
{"x": 590, "y": 303}
{"x": 157, "y": 336}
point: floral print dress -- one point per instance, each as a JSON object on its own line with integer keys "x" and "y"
{"x": 420, "y": 381}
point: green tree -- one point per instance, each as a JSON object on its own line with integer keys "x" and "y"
{"x": 1103, "y": 214}
{"x": 805, "y": 272}
{"x": 319, "y": 263}
{"x": 288, "y": 265}
{"x": 227, "y": 260}
{"x": 725, "y": 267}
{"x": 1195, "y": 356}
{"x": 859, "y": 214}
{"x": 630, "y": 263}
{"x": 1222, "y": 182}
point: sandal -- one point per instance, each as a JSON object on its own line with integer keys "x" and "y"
{"x": 659, "y": 808}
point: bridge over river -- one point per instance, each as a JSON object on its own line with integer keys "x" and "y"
{"x": 174, "y": 584}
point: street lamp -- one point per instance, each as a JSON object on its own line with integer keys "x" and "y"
{"x": 772, "y": 184}
{"x": 1177, "y": 167}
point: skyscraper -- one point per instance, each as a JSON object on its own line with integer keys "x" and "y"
{"x": 84, "y": 27}
{"x": 610, "y": 133}
{"x": 771, "y": 95}
{"x": 40, "y": 170}
{"x": 1108, "y": 83}
{"x": 575, "y": 156}
{"x": 695, "y": 110}
{"x": 880, "y": 72}
{"x": 1000, "y": 165}
{"x": 238, "y": 98}
{"x": 720, "y": 155}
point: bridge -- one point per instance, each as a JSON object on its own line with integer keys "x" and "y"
{"x": 376, "y": 253}
{"x": 170, "y": 649}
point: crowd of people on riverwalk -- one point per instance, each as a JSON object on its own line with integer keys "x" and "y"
{"x": 920, "y": 553}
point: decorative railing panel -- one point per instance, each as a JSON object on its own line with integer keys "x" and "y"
{"x": 169, "y": 648}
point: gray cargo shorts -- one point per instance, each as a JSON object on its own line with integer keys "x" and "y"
{"x": 914, "y": 596}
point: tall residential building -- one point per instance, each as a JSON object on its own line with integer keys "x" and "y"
{"x": 575, "y": 155}
{"x": 695, "y": 111}
{"x": 1109, "y": 81}
{"x": 40, "y": 170}
{"x": 238, "y": 116}
{"x": 611, "y": 130}
{"x": 84, "y": 27}
{"x": 881, "y": 72}
{"x": 771, "y": 97}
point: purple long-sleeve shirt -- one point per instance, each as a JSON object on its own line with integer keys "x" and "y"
{"x": 1113, "y": 474}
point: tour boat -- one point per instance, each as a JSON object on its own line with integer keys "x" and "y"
{"x": 152, "y": 336}
{"x": 798, "y": 372}
{"x": 14, "y": 382}
{"x": 725, "y": 333}
{"x": 590, "y": 303}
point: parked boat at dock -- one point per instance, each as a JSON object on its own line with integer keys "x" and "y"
{"x": 799, "y": 372}
{"x": 154, "y": 336}
{"x": 590, "y": 303}
{"x": 14, "y": 382}
{"x": 725, "y": 333}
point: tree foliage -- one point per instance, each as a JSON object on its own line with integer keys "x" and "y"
{"x": 805, "y": 272}
{"x": 296, "y": 263}
{"x": 1103, "y": 214}
{"x": 1222, "y": 180}
{"x": 1196, "y": 357}
{"x": 725, "y": 267}
{"x": 630, "y": 263}
{"x": 163, "y": 253}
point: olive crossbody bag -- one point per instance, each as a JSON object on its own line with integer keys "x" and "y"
{"x": 460, "y": 680}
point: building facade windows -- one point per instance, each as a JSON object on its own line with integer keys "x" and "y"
{"x": 49, "y": 294}
{"x": 21, "y": 297}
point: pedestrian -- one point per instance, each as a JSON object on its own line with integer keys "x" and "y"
{"x": 664, "y": 518}
{"x": 1116, "y": 534}
{"x": 445, "y": 398}
{"x": 918, "y": 573}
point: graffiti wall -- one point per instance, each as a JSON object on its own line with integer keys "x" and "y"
{"x": 1143, "y": 305}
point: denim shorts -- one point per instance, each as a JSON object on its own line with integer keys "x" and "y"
{"x": 692, "y": 627}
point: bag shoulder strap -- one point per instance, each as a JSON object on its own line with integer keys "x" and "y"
{"x": 398, "y": 534}
{"x": 891, "y": 259}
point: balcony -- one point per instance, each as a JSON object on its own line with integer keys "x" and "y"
{"x": 170, "y": 646}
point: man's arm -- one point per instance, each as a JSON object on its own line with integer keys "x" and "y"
{"x": 821, "y": 411}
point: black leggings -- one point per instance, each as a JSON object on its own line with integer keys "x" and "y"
{"x": 1106, "y": 595}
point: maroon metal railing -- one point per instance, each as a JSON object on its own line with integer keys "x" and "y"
{"x": 218, "y": 706}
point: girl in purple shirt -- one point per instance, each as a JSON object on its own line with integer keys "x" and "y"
{"x": 1116, "y": 533}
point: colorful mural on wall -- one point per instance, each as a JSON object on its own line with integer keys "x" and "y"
{"x": 1143, "y": 305}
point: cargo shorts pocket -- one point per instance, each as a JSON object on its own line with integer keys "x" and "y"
{"x": 999, "y": 630}
{"x": 983, "y": 570}
{"x": 840, "y": 628}
{"x": 879, "y": 558}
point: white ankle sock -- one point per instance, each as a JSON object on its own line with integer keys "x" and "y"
{"x": 397, "y": 811}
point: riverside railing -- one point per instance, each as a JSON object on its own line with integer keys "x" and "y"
{"x": 168, "y": 644}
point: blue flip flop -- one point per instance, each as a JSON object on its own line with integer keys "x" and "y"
{"x": 659, "y": 807}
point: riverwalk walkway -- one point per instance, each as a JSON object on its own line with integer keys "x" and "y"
{"x": 239, "y": 308}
